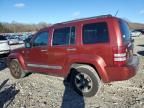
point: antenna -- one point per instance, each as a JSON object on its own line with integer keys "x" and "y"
{"x": 117, "y": 12}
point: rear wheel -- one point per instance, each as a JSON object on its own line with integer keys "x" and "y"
{"x": 85, "y": 80}
{"x": 16, "y": 70}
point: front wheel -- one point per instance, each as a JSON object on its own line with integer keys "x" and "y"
{"x": 85, "y": 80}
{"x": 16, "y": 70}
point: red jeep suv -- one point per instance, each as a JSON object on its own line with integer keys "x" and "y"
{"x": 86, "y": 51}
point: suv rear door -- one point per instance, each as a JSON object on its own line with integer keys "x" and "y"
{"x": 63, "y": 42}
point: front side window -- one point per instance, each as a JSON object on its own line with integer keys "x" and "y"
{"x": 95, "y": 33}
{"x": 41, "y": 39}
{"x": 64, "y": 36}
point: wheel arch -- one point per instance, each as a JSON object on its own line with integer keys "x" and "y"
{"x": 100, "y": 71}
{"x": 17, "y": 57}
{"x": 74, "y": 65}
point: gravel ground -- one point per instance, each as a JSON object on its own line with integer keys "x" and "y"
{"x": 43, "y": 91}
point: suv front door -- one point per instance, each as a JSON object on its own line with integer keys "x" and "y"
{"x": 37, "y": 55}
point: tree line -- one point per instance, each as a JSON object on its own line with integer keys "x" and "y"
{"x": 20, "y": 27}
{"x": 136, "y": 26}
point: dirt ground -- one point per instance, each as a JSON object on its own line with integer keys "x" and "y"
{"x": 43, "y": 91}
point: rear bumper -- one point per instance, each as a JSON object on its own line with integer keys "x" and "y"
{"x": 125, "y": 72}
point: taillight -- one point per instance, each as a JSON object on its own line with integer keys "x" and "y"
{"x": 120, "y": 56}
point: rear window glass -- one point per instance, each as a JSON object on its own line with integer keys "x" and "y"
{"x": 95, "y": 33}
{"x": 124, "y": 30}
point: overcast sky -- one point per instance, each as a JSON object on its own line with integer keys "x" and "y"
{"x": 54, "y": 11}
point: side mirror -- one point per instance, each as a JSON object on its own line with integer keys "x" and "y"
{"x": 27, "y": 45}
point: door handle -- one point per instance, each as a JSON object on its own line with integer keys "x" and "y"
{"x": 44, "y": 50}
{"x": 71, "y": 49}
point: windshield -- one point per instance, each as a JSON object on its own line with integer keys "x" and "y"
{"x": 124, "y": 30}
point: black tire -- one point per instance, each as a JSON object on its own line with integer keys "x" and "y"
{"x": 16, "y": 70}
{"x": 85, "y": 80}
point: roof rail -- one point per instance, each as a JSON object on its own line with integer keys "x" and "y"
{"x": 81, "y": 19}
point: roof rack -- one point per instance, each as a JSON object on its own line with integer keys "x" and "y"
{"x": 82, "y": 19}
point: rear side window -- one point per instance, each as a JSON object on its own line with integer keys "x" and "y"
{"x": 64, "y": 36}
{"x": 95, "y": 33}
{"x": 124, "y": 30}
